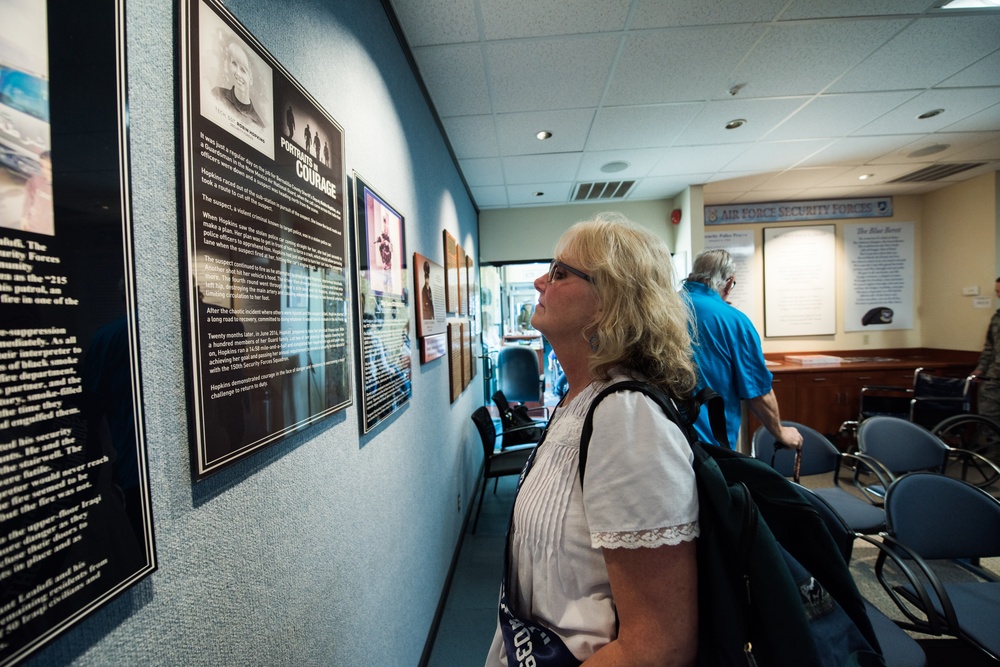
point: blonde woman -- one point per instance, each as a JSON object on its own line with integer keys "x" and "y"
{"x": 610, "y": 568}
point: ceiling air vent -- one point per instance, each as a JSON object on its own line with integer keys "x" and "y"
{"x": 936, "y": 172}
{"x": 605, "y": 190}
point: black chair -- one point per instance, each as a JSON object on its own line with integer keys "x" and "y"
{"x": 820, "y": 456}
{"x": 520, "y": 424}
{"x": 496, "y": 463}
{"x": 520, "y": 377}
{"x": 901, "y": 446}
{"x": 936, "y": 519}
{"x": 898, "y": 648}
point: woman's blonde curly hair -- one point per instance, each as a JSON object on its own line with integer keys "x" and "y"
{"x": 642, "y": 323}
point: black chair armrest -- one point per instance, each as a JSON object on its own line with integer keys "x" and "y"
{"x": 873, "y": 466}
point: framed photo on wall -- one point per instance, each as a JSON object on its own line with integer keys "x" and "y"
{"x": 383, "y": 330}
{"x": 428, "y": 299}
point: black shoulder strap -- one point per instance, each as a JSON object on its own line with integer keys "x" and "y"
{"x": 661, "y": 398}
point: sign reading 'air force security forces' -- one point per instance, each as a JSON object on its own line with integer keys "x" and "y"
{"x": 819, "y": 209}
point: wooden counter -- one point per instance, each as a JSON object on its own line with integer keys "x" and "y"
{"x": 824, "y": 396}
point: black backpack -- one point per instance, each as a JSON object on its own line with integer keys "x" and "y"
{"x": 773, "y": 588}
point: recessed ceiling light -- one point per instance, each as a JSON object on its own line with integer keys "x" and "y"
{"x": 972, "y": 4}
{"x": 930, "y": 114}
{"x": 543, "y": 135}
{"x": 865, "y": 177}
{"x": 738, "y": 122}
{"x": 929, "y": 150}
{"x": 612, "y": 167}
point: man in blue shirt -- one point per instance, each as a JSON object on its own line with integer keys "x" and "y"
{"x": 728, "y": 352}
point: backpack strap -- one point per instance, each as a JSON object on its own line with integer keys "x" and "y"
{"x": 658, "y": 395}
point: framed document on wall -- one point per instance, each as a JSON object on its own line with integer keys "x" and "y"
{"x": 383, "y": 332}
{"x": 266, "y": 242}
{"x": 800, "y": 281}
{"x": 76, "y": 523}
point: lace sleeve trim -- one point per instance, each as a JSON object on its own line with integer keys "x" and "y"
{"x": 657, "y": 537}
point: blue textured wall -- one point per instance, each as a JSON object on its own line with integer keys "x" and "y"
{"x": 329, "y": 548}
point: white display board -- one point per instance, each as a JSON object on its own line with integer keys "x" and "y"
{"x": 800, "y": 281}
{"x": 740, "y": 246}
{"x": 879, "y": 286}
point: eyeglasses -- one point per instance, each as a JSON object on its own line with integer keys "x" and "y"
{"x": 556, "y": 266}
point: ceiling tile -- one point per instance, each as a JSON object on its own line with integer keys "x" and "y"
{"x": 856, "y": 150}
{"x": 925, "y": 54}
{"x": 985, "y": 72}
{"x": 984, "y": 121}
{"x": 550, "y": 193}
{"x": 681, "y": 160}
{"x": 709, "y": 126}
{"x": 437, "y": 21}
{"x": 441, "y": 66}
{"x": 811, "y": 9}
{"x": 536, "y": 75}
{"x": 663, "y": 187}
{"x": 508, "y": 19}
{"x": 958, "y": 104}
{"x": 471, "y": 136}
{"x": 539, "y": 168}
{"x": 491, "y": 196}
{"x": 656, "y": 66}
{"x": 820, "y": 53}
{"x": 777, "y": 154}
{"x": 660, "y": 14}
{"x": 838, "y": 115}
{"x": 640, "y": 161}
{"x": 956, "y": 142}
{"x": 808, "y": 177}
{"x": 640, "y": 126}
{"x": 516, "y": 132}
{"x": 482, "y": 171}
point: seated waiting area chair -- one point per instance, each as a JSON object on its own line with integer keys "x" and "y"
{"x": 898, "y": 648}
{"x": 520, "y": 378}
{"x": 496, "y": 463}
{"x": 820, "y": 456}
{"x": 513, "y": 432}
{"x": 900, "y": 446}
{"x": 933, "y": 520}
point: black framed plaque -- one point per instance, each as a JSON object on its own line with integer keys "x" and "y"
{"x": 385, "y": 364}
{"x": 266, "y": 244}
{"x": 75, "y": 521}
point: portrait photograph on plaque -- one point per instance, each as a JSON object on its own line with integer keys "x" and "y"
{"x": 265, "y": 233}
{"x": 428, "y": 278}
{"x": 383, "y": 331}
{"x": 76, "y": 525}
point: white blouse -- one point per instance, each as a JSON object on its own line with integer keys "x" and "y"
{"x": 639, "y": 491}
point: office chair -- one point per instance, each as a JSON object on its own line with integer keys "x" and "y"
{"x": 931, "y": 517}
{"x": 496, "y": 464}
{"x": 520, "y": 378}
{"x": 820, "y": 456}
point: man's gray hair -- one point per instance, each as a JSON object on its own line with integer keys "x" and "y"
{"x": 713, "y": 268}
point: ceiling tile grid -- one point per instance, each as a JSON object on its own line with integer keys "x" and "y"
{"x": 828, "y": 92}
